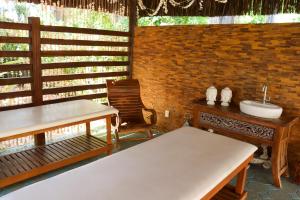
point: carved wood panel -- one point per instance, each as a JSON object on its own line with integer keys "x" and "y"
{"x": 237, "y": 126}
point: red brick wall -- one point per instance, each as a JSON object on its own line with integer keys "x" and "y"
{"x": 176, "y": 64}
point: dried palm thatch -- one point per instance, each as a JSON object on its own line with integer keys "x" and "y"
{"x": 231, "y": 8}
{"x": 119, "y": 7}
{"x": 198, "y": 8}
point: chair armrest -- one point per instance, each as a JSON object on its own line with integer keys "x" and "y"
{"x": 153, "y": 116}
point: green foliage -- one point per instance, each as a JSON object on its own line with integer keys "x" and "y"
{"x": 251, "y": 19}
{"x": 166, "y": 20}
{"x": 9, "y": 47}
{"x": 246, "y": 19}
{"x": 22, "y": 11}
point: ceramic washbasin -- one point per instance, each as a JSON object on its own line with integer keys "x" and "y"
{"x": 259, "y": 109}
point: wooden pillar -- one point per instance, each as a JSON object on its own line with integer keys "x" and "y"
{"x": 36, "y": 72}
{"x": 132, "y": 25}
{"x": 35, "y": 60}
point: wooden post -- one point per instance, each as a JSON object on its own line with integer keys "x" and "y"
{"x": 35, "y": 47}
{"x": 132, "y": 25}
{"x": 108, "y": 136}
{"x": 36, "y": 72}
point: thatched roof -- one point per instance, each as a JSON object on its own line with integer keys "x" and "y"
{"x": 196, "y": 8}
{"x": 230, "y": 8}
{"x": 119, "y": 7}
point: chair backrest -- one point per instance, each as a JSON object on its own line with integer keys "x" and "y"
{"x": 124, "y": 95}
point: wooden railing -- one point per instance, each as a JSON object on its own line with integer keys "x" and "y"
{"x": 34, "y": 80}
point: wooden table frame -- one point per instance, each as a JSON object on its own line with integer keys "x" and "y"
{"x": 279, "y": 143}
{"x": 63, "y": 162}
{"x": 238, "y": 191}
{"x": 86, "y": 121}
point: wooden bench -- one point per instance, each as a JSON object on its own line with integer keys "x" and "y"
{"x": 186, "y": 163}
{"x": 36, "y": 121}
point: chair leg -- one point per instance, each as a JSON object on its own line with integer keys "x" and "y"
{"x": 150, "y": 134}
{"x": 117, "y": 137}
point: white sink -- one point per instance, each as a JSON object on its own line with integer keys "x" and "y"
{"x": 259, "y": 109}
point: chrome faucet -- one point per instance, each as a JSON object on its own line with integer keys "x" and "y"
{"x": 265, "y": 90}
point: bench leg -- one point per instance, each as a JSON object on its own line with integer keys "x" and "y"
{"x": 39, "y": 139}
{"x": 241, "y": 181}
{"x": 88, "y": 128}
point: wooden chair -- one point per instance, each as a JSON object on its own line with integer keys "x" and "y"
{"x": 124, "y": 95}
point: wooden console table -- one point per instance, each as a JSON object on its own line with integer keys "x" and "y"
{"x": 229, "y": 121}
{"x": 18, "y": 123}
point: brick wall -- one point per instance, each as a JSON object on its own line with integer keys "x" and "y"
{"x": 176, "y": 64}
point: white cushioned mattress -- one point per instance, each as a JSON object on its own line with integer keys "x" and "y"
{"x": 184, "y": 164}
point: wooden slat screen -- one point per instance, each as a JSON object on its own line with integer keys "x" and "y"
{"x": 15, "y": 77}
{"x": 61, "y": 64}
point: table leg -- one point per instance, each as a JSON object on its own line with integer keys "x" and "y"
{"x": 276, "y": 178}
{"x": 108, "y": 135}
{"x": 276, "y": 153}
{"x": 241, "y": 181}
{"x": 39, "y": 139}
{"x": 88, "y": 128}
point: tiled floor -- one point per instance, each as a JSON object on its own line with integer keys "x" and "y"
{"x": 259, "y": 183}
{"x": 259, "y": 186}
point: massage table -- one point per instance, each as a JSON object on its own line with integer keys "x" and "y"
{"x": 184, "y": 164}
{"x": 36, "y": 121}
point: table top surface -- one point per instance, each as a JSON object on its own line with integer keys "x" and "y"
{"x": 30, "y": 119}
{"x": 186, "y": 164}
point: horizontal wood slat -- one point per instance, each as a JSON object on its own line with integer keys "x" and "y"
{"x": 73, "y": 88}
{"x": 128, "y": 104}
{"x": 83, "y": 64}
{"x": 130, "y": 94}
{"x": 15, "y": 53}
{"x": 83, "y": 76}
{"x": 15, "y": 67}
{"x": 10, "y": 25}
{"x": 91, "y": 96}
{"x": 84, "y": 31}
{"x": 12, "y": 81}
{"x": 83, "y": 53}
{"x": 16, "y": 107}
{"x": 4, "y": 39}
{"x": 9, "y": 95}
{"x": 83, "y": 42}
